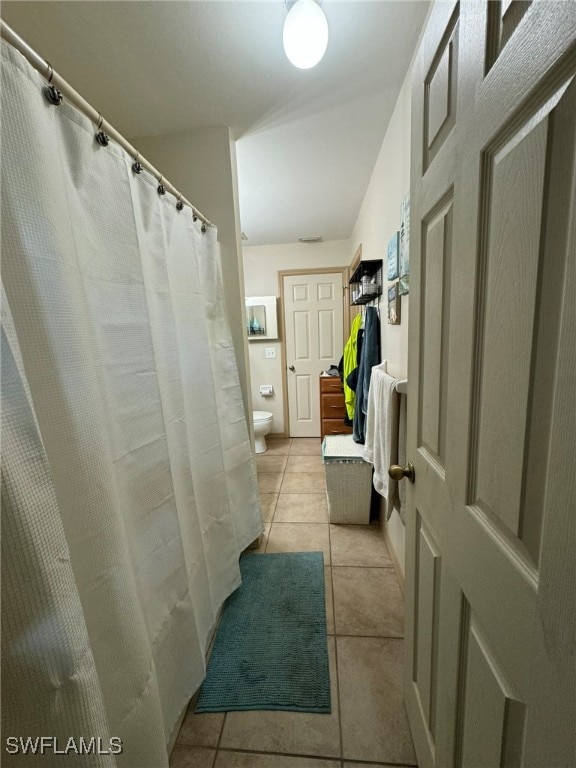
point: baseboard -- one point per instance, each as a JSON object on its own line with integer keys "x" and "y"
{"x": 277, "y": 436}
{"x": 395, "y": 561}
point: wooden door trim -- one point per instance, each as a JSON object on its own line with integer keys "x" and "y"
{"x": 353, "y": 309}
{"x": 357, "y": 259}
{"x": 282, "y": 273}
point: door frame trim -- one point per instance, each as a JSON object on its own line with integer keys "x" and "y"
{"x": 282, "y": 273}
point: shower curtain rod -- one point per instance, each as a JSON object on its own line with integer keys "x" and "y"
{"x": 47, "y": 71}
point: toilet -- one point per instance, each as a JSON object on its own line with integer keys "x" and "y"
{"x": 262, "y": 426}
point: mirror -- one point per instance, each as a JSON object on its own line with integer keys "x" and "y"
{"x": 261, "y": 322}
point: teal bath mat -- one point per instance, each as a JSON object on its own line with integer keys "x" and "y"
{"x": 271, "y": 649}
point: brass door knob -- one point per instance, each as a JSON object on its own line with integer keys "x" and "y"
{"x": 397, "y": 472}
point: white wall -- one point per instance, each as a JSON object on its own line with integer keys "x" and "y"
{"x": 378, "y": 219}
{"x": 261, "y": 266}
{"x": 202, "y": 165}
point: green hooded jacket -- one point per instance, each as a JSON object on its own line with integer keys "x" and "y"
{"x": 350, "y": 363}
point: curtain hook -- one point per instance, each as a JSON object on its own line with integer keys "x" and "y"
{"x": 161, "y": 187}
{"x": 136, "y": 166}
{"x": 52, "y": 94}
{"x": 101, "y": 137}
{"x": 179, "y": 204}
{"x": 203, "y": 228}
{"x": 194, "y": 215}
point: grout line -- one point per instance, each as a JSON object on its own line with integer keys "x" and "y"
{"x": 304, "y": 522}
{"x": 219, "y": 738}
{"x": 303, "y": 471}
{"x": 300, "y": 755}
{"x": 338, "y": 692}
{"x": 303, "y": 756}
{"x": 336, "y": 652}
{"x": 371, "y": 637}
{"x": 300, "y": 522}
{"x": 274, "y": 513}
{"x": 378, "y": 567}
{"x": 374, "y": 762}
{"x": 276, "y": 505}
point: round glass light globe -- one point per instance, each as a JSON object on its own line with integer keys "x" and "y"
{"x": 305, "y": 34}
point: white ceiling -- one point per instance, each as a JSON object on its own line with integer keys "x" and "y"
{"x": 307, "y": 141}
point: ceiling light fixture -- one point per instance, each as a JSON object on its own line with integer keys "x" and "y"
{"x": 305, "y": 34}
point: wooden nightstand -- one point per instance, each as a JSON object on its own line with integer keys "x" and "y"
{"x": 332, "y": 408}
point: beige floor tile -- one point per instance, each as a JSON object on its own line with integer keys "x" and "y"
{"x": 374, "y": 723}
{"x": 200, "y": 730}
{"x": 348, "y": 764}
{"x": 329, "y": 600}
{"x": 297, "y": 733}
{"x": 270, "y": 482}
{"x": 301, "y": 508}
{"x": 299, "y": 537}
{"x": 254, "y": 760}
{"x": 266, "y": 463}
{"x": 191, "y": 757}
{"x": 306, "y": 446}
{"x": 305, "y": 464}
{"x": 268, "y": 505}
{"x": 262, "y": 548}
{"x": 277, "y": 446}
{"x": 303, "y": 482}
{"x": 359, "y": 545}
{"x": 368, "y": 601}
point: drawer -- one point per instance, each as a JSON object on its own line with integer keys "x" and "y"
{"x": 332, "y": 406}
{"x": 330, "y": 384}
{"x": 335, "y": 427}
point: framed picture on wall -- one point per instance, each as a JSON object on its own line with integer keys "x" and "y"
{"x": 393, "y": 256}
{"x": 393, "y": 305}
{"x": 404, "y": 245}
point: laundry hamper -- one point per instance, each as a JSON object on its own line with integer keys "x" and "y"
{"x": 348, "y": 480}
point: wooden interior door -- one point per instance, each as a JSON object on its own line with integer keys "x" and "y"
{"x": 491, "y": 526}
{"x": 313, "y": 329}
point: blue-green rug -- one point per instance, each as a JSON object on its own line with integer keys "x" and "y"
{"x": 271, "y": 649}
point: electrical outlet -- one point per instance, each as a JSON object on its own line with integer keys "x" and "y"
{"x": 270, "y": 353}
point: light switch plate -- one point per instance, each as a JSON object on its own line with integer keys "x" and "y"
{"x": 270, "y": 353}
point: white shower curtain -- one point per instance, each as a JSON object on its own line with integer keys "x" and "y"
{"x": 128, "y": 481}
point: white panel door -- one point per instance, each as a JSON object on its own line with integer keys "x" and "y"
{"x": 313, "y": 325}
{"x": 491, "y": 524}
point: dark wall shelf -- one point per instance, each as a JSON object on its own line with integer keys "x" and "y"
{"x": 371, "y": 288}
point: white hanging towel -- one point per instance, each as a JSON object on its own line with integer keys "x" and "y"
{"x": 381, "y": 444}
